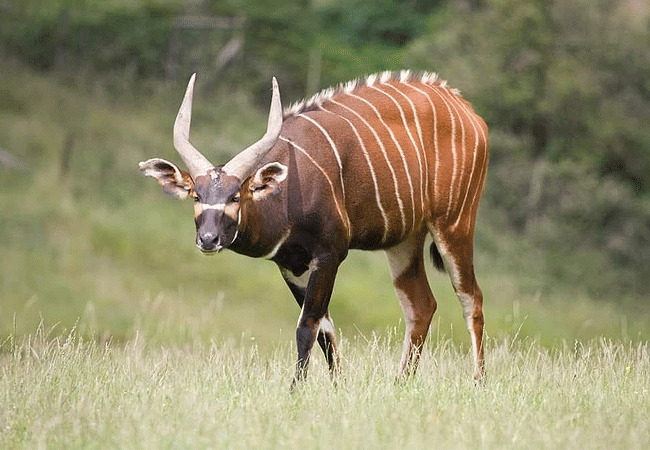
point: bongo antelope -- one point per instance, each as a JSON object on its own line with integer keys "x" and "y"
{"x": 377, "y": 163}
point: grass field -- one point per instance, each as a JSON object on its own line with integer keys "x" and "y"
{"x": 68, "y": 393}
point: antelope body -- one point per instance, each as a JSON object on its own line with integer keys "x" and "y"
{"x": 377, "y": 163}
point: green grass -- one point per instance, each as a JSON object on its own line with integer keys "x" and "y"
{"x": 70, "y": 393}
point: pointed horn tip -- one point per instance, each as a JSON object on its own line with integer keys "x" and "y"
{"x": 190, "y": 85}
{"x": 276, "y": 87}
{"x": 276, "y": 103}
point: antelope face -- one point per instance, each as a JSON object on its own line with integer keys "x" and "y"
{"x": 216, "y": 210}
{"x": 216, "y": 190}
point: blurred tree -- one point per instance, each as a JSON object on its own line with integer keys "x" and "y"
{"x": 564, "y": 86}
{"x": 279, "y": 36}
{"x": 392, "y": 22}
{"x": 569, "y": 74}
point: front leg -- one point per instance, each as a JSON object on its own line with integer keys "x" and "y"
{"x": 322, "y": 273}
{"x": 326, "y": 335}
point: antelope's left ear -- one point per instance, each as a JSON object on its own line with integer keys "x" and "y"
{"x": 267, "y": 179}
{"x": 175, "y": 182}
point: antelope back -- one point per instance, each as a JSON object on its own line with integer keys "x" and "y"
{"x": 396, "y": 151}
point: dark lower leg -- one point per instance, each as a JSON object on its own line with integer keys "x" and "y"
{"x": 305, "y": 337}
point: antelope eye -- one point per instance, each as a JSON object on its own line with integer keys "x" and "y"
{"x": 235, "y": 198}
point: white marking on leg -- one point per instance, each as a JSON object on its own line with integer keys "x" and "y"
{"x": 399, "y": 259}
{"x": 409, "y": 320}
{"x": 445, "y": 254}
{"x": 327, "y": 326}
{"x": 301, "y": 281}
{"x": 466, "y": 300}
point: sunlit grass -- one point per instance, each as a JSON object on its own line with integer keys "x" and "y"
{"x": 67, "y": 392}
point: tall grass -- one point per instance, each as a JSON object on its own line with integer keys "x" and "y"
{"x": 68, "y": 392}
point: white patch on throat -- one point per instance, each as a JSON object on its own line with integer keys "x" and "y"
{"x": 277, "y": 246}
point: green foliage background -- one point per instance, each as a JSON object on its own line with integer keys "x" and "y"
{"x": 89, "y": 88}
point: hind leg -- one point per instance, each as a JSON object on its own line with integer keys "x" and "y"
{"x": 458, "y": 254}
{"x": 406, "y": 262}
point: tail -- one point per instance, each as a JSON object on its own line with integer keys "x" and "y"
{"x": 436, "y": 258}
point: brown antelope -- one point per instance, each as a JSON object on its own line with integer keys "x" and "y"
{"x": 377, "y": 163}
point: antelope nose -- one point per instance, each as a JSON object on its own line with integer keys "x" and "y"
{"x": 207, "y": 241}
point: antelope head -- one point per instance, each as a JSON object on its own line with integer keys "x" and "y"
{"x": 216, "y": 190}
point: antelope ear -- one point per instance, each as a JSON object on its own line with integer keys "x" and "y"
{"x": 267, "y": 179}
{"x": 175, "y": 182}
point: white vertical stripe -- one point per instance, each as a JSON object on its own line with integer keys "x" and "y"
{"x": 462, "y": 157}
{"x": 478, "y": 128}
{"x": 435, "y": 143}
{"x": 372, "y": 173}
{"x": 396, "y": 142}
{"x": 383, "y": 150}
{"x": 390, "y": 132}
{"x": 472, "y": 119}
{"x": 334, "y": 149}
{"x": 413, "y": 143}
{"x": 454, "y": 153}
{"x": 341, "y": 211}
{"x": 419, "y": 151}
{"x": 483, "y": 173}
{"x": 484, "y": 150}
